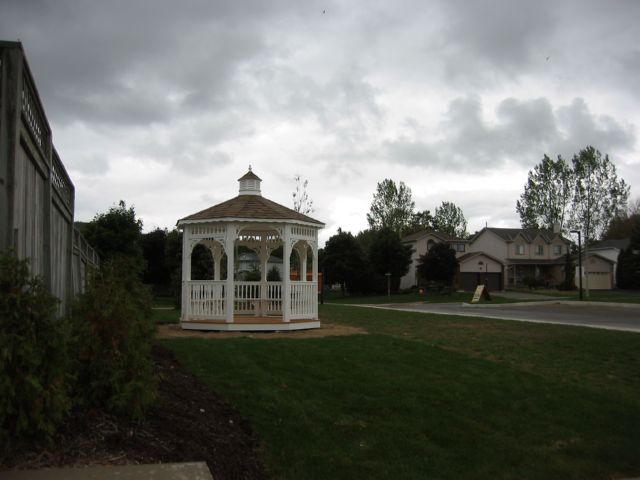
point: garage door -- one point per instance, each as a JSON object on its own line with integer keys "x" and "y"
{"x": 600, "y": 281}
{"x": 469, "y": 281}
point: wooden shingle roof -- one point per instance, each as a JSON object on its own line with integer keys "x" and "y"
{"x": 250, "y": 207}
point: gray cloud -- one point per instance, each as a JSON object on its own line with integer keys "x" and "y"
{"x": 523, "y": 132}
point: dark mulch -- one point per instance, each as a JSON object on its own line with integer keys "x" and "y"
{"x": 190, "y": 422}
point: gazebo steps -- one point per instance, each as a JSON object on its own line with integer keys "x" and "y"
{"x": 250, "y": 324}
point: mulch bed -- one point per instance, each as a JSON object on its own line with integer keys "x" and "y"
{"x": 189, "y": 423}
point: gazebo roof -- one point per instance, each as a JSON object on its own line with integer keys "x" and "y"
{"x": 249, "y": 205}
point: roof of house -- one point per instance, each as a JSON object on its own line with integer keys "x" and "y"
{"x": 470, "y": 255}
{"x": 249, "y": 176}
{"x": 510, "y": 234}
{"x": 445, "y": 237}
{"x": 620, "y": 244}
{"x": 250, "y": 207}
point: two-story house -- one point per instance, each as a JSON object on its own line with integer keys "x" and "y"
{"x": 497, "y": 257}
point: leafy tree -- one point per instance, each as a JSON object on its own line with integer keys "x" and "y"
{"x": 421, "y": 220}
{"x": 449, "y": 219}
{"x": 273, "y": 275}
{"x": 439, "y": 264}
{"x": 117, "y": 232}
{"x": 547, "y": 195}
{"x": 598, "y": 195}
{"x": 622, "y": 225}
{"x": 389, "y": 255}
{"x": 392, "y": 207}
{"x": 156, "y": 272}
{"x": 301, "y": 201}
{"x": 365, "y": 238}
{"x": 344, "y": 262}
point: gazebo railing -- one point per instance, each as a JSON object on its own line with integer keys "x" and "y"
{"x": 206, "y": 298}
{"x": 303, "y": 298}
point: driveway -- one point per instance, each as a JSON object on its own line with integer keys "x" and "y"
{"x": 625, "y": 317}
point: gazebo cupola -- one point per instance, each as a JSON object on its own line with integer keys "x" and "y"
{"x": 252, "y": 222}
{"x": 250, "y": 183}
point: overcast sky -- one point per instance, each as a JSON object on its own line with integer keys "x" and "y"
{"x": 165, "y": 104}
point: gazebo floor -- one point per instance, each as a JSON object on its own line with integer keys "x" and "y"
{"x": 250, "y": 324}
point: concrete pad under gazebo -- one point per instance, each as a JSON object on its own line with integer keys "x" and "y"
{"x": 252, "y": 221}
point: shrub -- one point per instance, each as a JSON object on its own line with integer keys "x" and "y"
{"x": 273, "y": 275}
{"x": 34, "y": 359}
{"x": 114, "y": 335}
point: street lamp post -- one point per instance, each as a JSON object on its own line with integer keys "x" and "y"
{"x": 579, "y": 259}
{"x": 388, "y": 275}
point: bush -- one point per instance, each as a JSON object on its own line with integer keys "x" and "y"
{"x": 34, "y": 361}
{"x": 114, "y": 335}
{"x": 273, "y": 275}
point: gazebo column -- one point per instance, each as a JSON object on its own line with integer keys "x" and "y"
{"x": 263, "y": 256}
{"x": 216, "y": 253}
{"x": 301, "y": 249}
{"x": 186, "y": 272}
{"x": 286, "y": 280}
{"x": 230, "y": 238}
{"x": 314, "y": 277}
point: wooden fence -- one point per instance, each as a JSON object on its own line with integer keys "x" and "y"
{"x": 36, "y": 194}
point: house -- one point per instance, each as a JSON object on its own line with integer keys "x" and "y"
{"x": 605, "y": 254}
{"x": 497, "y": 257}
{"x": 249, "y": 262}
{"x": 600, "y": 264}
{"x": 421, "y": 242}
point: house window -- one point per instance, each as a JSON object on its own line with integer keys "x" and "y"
{"x": 519, "y": 249}
{"x": 557, "y": 249}
{"x": 459, "y": 247}
{"x": 539, "y": 249}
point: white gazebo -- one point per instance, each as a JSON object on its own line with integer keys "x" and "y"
{"x": 251, "y": 221}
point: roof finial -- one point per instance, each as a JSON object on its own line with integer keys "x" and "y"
{"x": 249, "y": 167}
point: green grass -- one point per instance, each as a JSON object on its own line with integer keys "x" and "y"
{"x": 427, "y": 396}
{"x": 162, "y": 316}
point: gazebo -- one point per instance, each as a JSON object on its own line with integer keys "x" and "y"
{"x": 252, "y": 221}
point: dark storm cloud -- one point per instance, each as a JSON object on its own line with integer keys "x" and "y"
{"x": 523, "y": 132}
{"x": 484, "y": 40}
{"x": 128, "y": 63}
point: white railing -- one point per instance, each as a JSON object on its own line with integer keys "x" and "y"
{"x": 303, "y": 298}
{"x": 206, "y": 298}
{"x": 248, "y": 294}
{"x": 245, "y": 295}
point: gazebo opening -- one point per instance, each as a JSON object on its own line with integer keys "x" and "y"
{"x": 271, "y": 254}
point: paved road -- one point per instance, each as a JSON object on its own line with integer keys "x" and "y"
{"x": 587, "y": 314}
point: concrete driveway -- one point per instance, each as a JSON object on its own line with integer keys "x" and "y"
{"x": 611, "y": 316}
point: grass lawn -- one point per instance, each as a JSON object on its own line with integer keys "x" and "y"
{"x": 426, "y": 396}
{"x": 617, "y": 296}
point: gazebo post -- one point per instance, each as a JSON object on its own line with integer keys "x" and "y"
{"x": 286, "y": 274}
{"x": 230, "y": 239}
{"x": 186, "y": 271}
{"x": 314, "y": 277}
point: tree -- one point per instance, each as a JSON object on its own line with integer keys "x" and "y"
{"x": 301, "y": 201}
{"x": 389, "y": 255}
{"x": 421, "y": 220}
{"x": 598, "y": 195}
{"x": 439, "y": 264}
{"x": 116, "y": 233}
{"x": 392, "y": 206}
{"x": 344, "y": 262}
{"x": 622, "y": 225}
{"x": 154, "y": 251}
{"x": 547, "y": 195}
{"x": 449, "y": 219}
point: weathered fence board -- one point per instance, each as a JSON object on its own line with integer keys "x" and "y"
{"x": 36, "y": 194}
